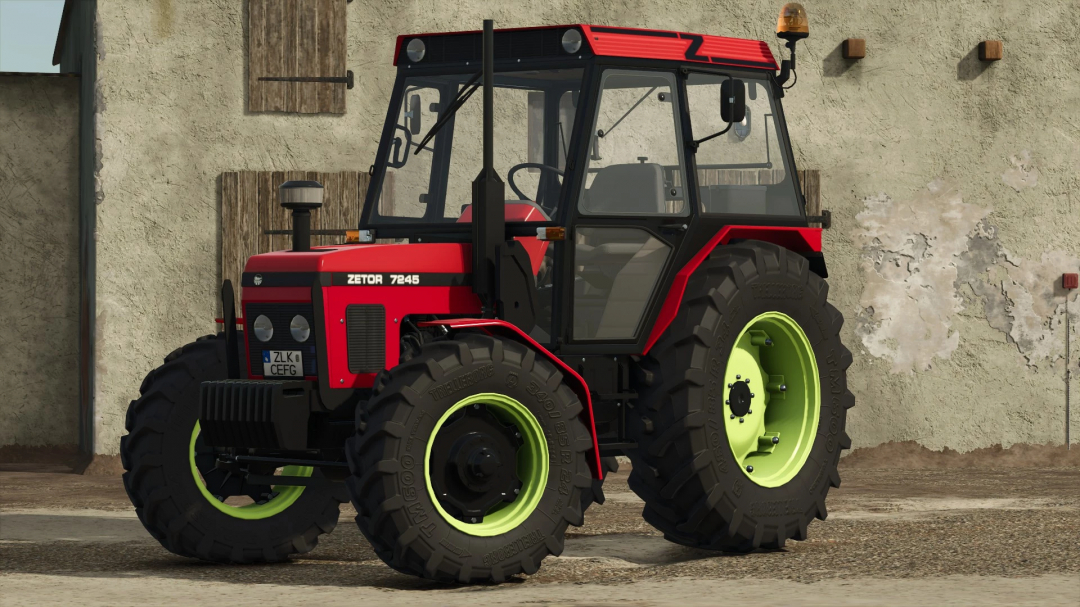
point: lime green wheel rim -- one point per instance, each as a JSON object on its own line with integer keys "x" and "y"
{"x": 532, "y": 466}
{"x": 285, "y": 495}
{"x": 771, "y": 434}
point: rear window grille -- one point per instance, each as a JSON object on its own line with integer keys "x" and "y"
{"x": 366, "y": 325}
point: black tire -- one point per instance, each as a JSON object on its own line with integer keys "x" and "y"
{"x": 386, "y": 457}
{"x": 695, "y": 492}
{"x": 595, "y": 493}
{"x": 160, "y": 484}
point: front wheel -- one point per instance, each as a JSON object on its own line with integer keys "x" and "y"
{"x": 470, "y": 462}
{"x": 746, "y": 403}
{"x": 196, "y": 508}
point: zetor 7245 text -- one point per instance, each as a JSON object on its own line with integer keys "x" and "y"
{"x": 469, "y": 363}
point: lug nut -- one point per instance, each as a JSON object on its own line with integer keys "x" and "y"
{"x": 741, "y": 420}
{"x": 751, "y": 395}
{"x": 783, "y": 387}
{"x": 517, "y": 491}
{"x": 732, "y": 416}
{"x": 747, "y": 380}
{"x": 749, "y": 411}
{"x": 738, "y": 377}
{"x": 768, "y": 341}
{"x": 775, "y": 440}
{"x": 476, "y": 406}
{"x": 730, "y": 385}
{"x": 727, "y": 402}
{"x": 472, "y": 520}
{"x": 749, "y": 468}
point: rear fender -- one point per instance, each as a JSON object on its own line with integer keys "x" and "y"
{"x": 800, "y": 240}
{"x": 501, "y": 328}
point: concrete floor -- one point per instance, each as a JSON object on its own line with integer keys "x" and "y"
{"x": 893, "y": 537}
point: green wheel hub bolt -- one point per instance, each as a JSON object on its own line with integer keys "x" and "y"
{"x": 772, "y": 349}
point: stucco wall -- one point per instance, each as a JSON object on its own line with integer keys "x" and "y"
{"x": 39, "y": 271}
{"x": 953, "y": 185}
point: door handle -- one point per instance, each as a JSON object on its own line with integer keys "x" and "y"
{"x": 673, "y": 227}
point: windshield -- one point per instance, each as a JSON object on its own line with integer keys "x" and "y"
{"x": 534, "y": 115}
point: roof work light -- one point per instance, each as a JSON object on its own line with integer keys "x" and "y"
{"x": 792, "y": 24}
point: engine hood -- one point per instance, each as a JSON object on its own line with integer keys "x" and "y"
{"x": 440, "y": 258}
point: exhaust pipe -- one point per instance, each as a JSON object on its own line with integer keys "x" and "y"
{"x": 301, "y": 197}
{"x": 488, "y": 196}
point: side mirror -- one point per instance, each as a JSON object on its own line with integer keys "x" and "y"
{"x": 732, "y": 100}
{"x": 413, "y": 115}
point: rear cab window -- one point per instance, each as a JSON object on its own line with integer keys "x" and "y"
{"x": 745, "y": 170}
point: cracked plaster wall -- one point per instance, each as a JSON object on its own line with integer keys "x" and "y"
{"x": 976, "y": 368}
{"x": 39, "y": 260}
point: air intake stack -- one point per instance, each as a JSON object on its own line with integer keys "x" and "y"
{"x": 301, "y": 197}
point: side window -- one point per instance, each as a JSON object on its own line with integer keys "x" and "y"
{"x": 408, "y": 174}
{"x": 615, "y": 274}
{"x": 635, "y": 160}
{"x": 742, "y": 171}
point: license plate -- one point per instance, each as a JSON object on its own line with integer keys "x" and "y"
{"x": 283, "y": 363}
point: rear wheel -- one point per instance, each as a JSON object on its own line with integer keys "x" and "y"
{"x": 188, "y": 503}
{"x": 470, "y": 462}
{"x": 746, "y": 402}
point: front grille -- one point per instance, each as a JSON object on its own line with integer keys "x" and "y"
{"x": 280, "y": 314}
{"x": 366, "y": 324}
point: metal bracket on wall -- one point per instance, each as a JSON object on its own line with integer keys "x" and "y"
{"x": 825, "y": 219}
{"x": 347, "y": 79}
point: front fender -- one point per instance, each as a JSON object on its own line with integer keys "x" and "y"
{"x": 576, "y": 383}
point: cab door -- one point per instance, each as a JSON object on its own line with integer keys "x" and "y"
{"x": 631, "y": 209}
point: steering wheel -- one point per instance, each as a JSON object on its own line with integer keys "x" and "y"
{"x": 528, "y": 165}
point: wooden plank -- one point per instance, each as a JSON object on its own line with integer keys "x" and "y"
{"x": 256, "y": 55}
{"x": 386, "y": 196}
{"x": 354, "y": 188}
{"x": 290, "y": 51}
{"x": 307, "y": 59}
{"x": 811, "y": 185}
{"x": 337, "y": 46}
{"x": 318, "y": 217}
{"x": 324, "y": 27}
{"x": 265, "y": 199}
{"x": 274, "y": 65}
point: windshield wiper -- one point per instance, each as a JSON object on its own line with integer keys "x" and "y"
{"x": 602, "y": 133}
{"x": 459, "y": 100}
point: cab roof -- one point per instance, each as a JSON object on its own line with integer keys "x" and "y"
{"x": 545, "y": 42}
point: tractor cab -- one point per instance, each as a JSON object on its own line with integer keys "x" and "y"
{"x": 604, "y": 253}
{"x": 631, "y": 148}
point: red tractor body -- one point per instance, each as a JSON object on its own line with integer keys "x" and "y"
{"x": 472, "y": 361}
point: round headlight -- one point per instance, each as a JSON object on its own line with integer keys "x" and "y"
{"x": 264, "y": 329}
{"x": 299, "y": 328}
{"x": 415, "y": 50}
{"x": 571, "y": 41}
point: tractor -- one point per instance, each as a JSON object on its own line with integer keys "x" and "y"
{"x": 467, "y": 366}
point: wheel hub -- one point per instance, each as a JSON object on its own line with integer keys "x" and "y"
{"x": 473, "y": 463}
{"x": 739, "y": 398}
{"x": 773, "y": 398}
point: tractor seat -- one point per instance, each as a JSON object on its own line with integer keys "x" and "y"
{"x": 626, "y": 189}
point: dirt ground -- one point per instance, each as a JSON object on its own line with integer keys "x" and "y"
{"x": 923, "y": 536}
